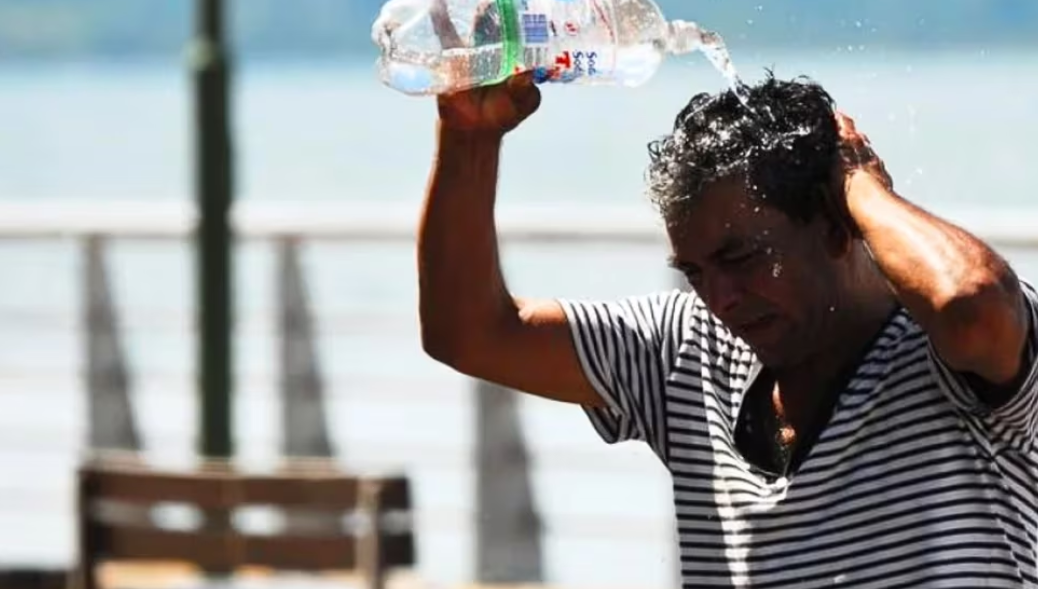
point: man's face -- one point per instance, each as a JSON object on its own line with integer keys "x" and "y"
{"x": 772, "y": 281}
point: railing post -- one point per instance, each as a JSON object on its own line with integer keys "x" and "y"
{"x": 214, "y": 241}
{"x": 111, "y": 424}
{"x": 508, "y": 528}
{"x": 304, "y": 426}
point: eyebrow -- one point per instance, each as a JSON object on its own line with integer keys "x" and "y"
{"x": 730, "y": 245}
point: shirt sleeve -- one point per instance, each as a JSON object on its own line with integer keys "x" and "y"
{"x": 627, "y": 349}
{"x": 1014, "y": 423}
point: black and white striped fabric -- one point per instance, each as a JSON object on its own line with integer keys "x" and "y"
{"x": 913, "y": 482}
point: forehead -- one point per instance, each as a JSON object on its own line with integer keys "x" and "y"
{"x": 723, "y": 214}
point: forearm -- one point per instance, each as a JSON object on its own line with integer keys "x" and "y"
{"x": 962, "y": 292}
{"x": 460, "y": 280}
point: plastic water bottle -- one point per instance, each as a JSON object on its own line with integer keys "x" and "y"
{"x": 439, "y": 46}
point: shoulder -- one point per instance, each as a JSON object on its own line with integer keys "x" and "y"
{"x": 656, "y": 322}
{"x": 900, "y": 344}
{"x": 654, "y": 306}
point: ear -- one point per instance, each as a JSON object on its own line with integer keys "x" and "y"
{"x": 838, "y": 233}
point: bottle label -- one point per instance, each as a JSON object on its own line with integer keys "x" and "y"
{"x": 562, "y": 38}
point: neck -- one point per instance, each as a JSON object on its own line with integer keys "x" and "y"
{"x": 802, "y": 388}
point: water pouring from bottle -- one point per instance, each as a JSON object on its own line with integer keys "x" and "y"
{"x": 620, "y": 42}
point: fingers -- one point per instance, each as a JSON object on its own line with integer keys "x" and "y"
{"x": 849, "y": 132}
{"x": 856, "y": 150}
{"x": 845, "y": 124}
{"x": 531, "y": 101}
{"x": 529, "y": 97}
{"x": 520, "y": 80}
{"x": 526, "y": 97}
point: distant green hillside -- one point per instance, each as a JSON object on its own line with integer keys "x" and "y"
{"x": 332, "y": 28}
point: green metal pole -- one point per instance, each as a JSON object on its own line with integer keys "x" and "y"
{"x": 214, "y": 179}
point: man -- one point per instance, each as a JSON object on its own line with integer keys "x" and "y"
{"x": 845, "y": 397}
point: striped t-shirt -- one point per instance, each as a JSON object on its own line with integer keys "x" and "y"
{"x": 912, "y": 483}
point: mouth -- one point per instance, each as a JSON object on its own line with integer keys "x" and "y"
{"x": 756, "y": 326}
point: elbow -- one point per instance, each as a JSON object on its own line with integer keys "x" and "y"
{"x": 451, "y": 346}
{"x": 440, "y": 344}
{"x": 983, "y": 299}
{"x": 979, "y": 316}
{"x": 465, "y": 340}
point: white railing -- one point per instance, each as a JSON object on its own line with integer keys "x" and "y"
{"x": 1002, "y": 227}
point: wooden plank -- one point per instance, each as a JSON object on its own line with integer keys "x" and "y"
{"x": 302, "y": 552}
{"x": 318, "y": 491}
{"x": 223, "y": 490}
{"x": 227, "y": 550}
{"x": 204, "y": 550}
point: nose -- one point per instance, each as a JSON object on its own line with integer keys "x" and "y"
{"x": 722, "y": 293}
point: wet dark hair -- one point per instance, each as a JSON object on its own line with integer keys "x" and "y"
{"x": 780, "y": 137}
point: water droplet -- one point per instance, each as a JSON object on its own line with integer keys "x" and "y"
{"x": 756, "y": 209}
{"x": 776, "y": 270}
{"x": 749, "y": 21}
{"x": 760, "y": 8}
{"x": 832, "y": 309}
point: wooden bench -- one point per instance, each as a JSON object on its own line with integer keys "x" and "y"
{"x": 112, "y": 498}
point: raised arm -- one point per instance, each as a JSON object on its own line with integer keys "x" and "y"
{"x": 964, "y": 295}
{"x": 469, "y": 319}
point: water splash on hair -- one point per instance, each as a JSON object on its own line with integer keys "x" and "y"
{"x": 776, "y": 145}
{"x": 713, "y": 47}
